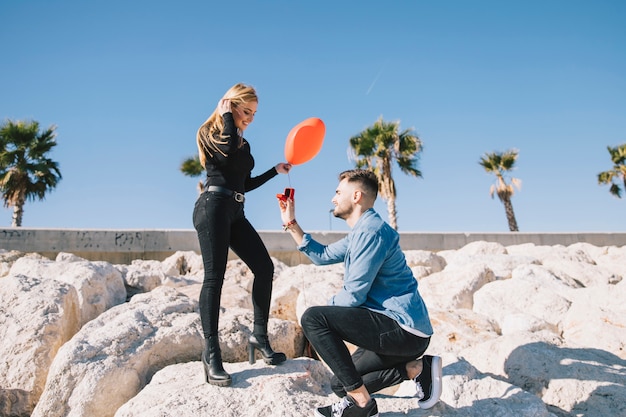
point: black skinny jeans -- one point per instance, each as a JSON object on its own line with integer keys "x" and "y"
{"x": 384, "y": 348}
{"x": 220, "y": 223}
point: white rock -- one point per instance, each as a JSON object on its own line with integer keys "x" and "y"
{"x": 499, "y": 299}
{"x": 37, "y": 316}
{"x": 521, "y": 323}
{"x": 288, "y": 390}
{"x": 482, "y": 248}
{"x": 99, "y": 284}
{"x": 597, "y": 317}
{"x": 535, "y": 251}
{"x": 316, "y": 284}
{"x": 458, "y": 329}
{"x": 614, "y": 259}
{"x": 587, "y": 274}
{"x": 455, "y": 286}
{"x": 569, "y": 379}
{"x": 113, "y": 356}
{"x": 469, "y": 393}
{"x": 142, "y": 275}
{"x": 235, "y": 327}
{"x": 429, "y": 260}
{"x": 524, "y": 331}
{"x": 540, "y": 276}
{"x": 183, "y": 263}
{"x": 68, "y": 257}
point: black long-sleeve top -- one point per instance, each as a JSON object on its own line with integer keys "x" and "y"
{"x": 234, "y": 170}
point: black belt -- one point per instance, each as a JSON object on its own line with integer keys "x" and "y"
{"x": 239, "y": 197}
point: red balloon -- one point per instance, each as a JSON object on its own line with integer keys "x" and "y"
{"x": 304, "y": 141}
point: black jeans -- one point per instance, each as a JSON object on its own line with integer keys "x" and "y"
{"x": 384, "y": 347}
{"x": 220, "y": 223}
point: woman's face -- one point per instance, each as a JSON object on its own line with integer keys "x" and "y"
{"x": 244, "y": 114}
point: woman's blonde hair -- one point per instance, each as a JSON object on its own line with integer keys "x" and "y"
{"x": 209, "y": 135}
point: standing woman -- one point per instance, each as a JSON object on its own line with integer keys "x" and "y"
{"x": 220, "y": 221}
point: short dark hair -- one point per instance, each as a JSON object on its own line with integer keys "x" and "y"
{"x": 366, "y": 178}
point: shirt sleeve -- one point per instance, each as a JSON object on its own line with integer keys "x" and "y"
{"x": 365, "y": 258}
{"x": 230, "y": 133}
{"x": 321, "y": 254}
{"x": 229, "y": 143}
{"x": 255, "y": 182}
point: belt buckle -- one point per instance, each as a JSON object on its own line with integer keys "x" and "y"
{"x": 240, "y": 198}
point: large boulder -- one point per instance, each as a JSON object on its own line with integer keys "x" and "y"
{"x": 115, "y": 355}
{"x": 37, "y": 316}
{"x": 99, "y": 285}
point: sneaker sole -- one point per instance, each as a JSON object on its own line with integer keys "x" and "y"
{"x": 436, "y": 384}
{"x": 318, "y": 414}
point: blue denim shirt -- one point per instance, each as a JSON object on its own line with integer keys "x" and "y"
{"x": 377, "y": 276}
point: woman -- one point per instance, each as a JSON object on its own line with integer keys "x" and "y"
{"x": 220, "y": 222}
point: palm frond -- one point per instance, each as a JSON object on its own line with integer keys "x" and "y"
{"x": 192, "y": 167}
{"x": 616, "y": 175}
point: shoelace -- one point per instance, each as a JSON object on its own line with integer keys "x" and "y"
{"x": 420, "y": 391}
{"x": 338, "y": 408}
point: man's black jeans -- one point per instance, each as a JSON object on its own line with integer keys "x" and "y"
{"x": 384, "y": 347}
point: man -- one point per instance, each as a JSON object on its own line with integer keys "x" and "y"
{"x": 379, "y": 308}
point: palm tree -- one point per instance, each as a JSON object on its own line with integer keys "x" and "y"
{"x": 377, "y": 147}
{"x": 193, "y": 168}
{"x": 499, "y": 163}
{"x": 25, "y": 171}
{"x": 618, "y": 174}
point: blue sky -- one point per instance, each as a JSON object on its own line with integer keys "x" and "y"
{"x": 127, "y": 83}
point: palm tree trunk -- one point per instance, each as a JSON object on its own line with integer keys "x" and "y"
{"x": 510, "y": 214}
{"x": 391, "y": 211}
{"x": 18, "y": 213}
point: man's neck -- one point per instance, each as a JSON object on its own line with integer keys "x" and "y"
{"x": 356, "y": 215}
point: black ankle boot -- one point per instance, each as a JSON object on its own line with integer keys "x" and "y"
{"x": 212, "y": 361}
{"x": 262, "y": 344}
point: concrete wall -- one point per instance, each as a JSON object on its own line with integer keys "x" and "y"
{"x": 123, "y": 246}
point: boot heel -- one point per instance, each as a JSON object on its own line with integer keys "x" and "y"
{"x": 262, "y": 344}
{"x": 251, "y": 354}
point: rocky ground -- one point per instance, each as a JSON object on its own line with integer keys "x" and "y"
{"x": 523, "y": 330}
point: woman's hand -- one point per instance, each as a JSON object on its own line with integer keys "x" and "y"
{"x": 283, "y": 168}
{"x": 224, "y": 106}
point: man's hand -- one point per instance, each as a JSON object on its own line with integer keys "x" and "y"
{"x": 288, "y": 216}
{"x": 287, "y": 207}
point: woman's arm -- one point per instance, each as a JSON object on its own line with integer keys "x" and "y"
{"x": 255, "y": 182}
{"x": 229, "y": 141}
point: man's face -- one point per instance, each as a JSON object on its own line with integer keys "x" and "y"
{"x": 343, "y": 199}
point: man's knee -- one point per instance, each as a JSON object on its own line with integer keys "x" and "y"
{"x": 311, "y": 317}
{"x": 306, "y": 317}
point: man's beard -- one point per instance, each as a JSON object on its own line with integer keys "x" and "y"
{"x": 342, "y": 214}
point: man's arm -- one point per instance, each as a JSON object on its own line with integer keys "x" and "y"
{"x": 367, "y": 254}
